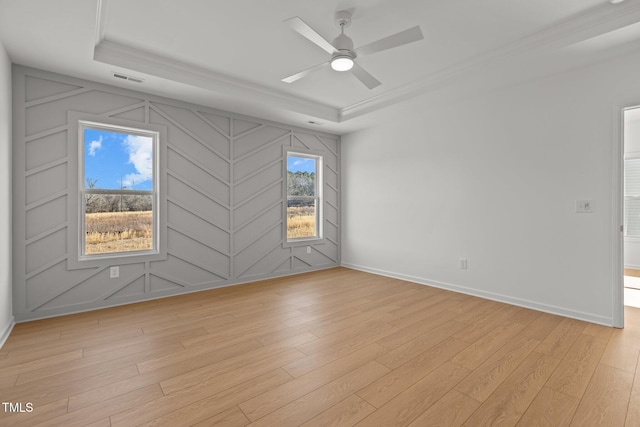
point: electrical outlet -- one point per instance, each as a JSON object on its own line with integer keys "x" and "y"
{"x": 114, "y": 272}
{"x": 462, "y": 264}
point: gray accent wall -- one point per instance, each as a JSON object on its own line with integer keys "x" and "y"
{"x": 224, "y": 198}
{"x": 6, "y": 310}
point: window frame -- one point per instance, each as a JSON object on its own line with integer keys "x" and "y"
{"x": 84, "y": 191}
{"x": 319, "y": 196}
{"x": 77, "y": 122}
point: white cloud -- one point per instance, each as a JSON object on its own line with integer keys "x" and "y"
{"x": 301, "y": 161}
{"x": 94, "y": 146}
{"x": 140, "y": 150}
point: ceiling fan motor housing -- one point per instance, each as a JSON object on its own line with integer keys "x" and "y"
{"x": 342, "y": 60}
{"x": 342, "y": 43}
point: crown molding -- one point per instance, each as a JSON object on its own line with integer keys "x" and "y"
{"x": 589, "y": 24}
{"x": 112, "y": 53}
{"x": 155, "y": 65}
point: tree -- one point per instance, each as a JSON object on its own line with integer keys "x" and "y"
{"x": 301, "y": 183}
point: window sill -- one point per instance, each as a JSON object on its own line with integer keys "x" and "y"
{"x": 303, "y": 242}
{"x": 114, "y": 259}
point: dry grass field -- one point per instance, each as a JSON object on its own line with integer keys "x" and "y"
{"x": 118, "y": 232}
{"x": 133, "y": 231}
{"x": 301, "y": 222}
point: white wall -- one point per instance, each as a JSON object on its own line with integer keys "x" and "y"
{"x": 494, "y": 179}
{"x": 6, "y": 309}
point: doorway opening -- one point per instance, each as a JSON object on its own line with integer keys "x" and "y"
{"x": 631, "y": 206}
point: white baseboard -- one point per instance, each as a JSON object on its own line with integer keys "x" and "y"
{"x": 7, "y": 331}
{"x": 134, "y": 299}
{"x": 560, "y": 311}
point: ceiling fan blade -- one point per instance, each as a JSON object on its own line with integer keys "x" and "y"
{"x": 304, "y": 73}
{"x": 309, "y": 33}
{"x": 403, "y": 37}
{"x": 367, "y": 79}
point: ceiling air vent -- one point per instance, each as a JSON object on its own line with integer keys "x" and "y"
{"x": 128, "y": 78}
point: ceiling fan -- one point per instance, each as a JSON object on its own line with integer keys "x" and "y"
{"x": 341, "y": 49}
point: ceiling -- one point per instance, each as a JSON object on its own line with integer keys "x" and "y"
{"x": 232, "y": 55}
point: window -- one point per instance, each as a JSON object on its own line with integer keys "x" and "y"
{"x": 118, "y": 173}
{"x": 304, "y": 197}
{"x": 632, "y": 196}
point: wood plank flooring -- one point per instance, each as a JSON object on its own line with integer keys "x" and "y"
{"x": 631, "y": 272}
{"x": 331, "y": 348}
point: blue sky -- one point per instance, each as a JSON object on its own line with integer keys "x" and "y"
{"x": 118, "y": 160}
{"x": 301, "y": 164}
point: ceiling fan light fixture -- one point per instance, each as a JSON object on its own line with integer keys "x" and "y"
{"x": 341, "y": 49}
{"x": 342, "y": 62}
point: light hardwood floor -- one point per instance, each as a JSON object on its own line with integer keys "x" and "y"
{"x": 331, "y": 348}
{"x": 631, "y": 272}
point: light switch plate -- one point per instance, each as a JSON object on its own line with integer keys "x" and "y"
{"x": 584, "y": 206}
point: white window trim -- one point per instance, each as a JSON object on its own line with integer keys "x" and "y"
{"x": 155, "y": 136}
{"x": 319, "y": 157}
{"x": 77, "y": 122}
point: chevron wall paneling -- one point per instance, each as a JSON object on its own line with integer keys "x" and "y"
{"x": 224, "y": 198}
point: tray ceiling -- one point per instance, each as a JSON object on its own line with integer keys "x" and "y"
{"x": 233, "y": 54}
